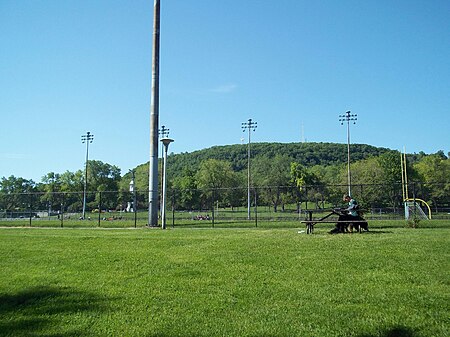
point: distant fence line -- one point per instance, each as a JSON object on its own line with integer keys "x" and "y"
{"x": 214, "y": 206}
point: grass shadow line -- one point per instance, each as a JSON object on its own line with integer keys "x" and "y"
{"x": 36, "y": 311}
{"x": 395, "y": 331}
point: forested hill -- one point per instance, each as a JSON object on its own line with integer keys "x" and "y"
{"x": 308, "y": 154}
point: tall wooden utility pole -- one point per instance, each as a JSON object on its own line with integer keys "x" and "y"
{"x": 154, "y": 120}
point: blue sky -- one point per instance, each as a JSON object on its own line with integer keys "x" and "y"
{"x": 71, "y": 66}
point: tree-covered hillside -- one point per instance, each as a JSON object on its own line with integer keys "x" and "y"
{"x": 309, "y": 170}
{"x": 307, "y": 154}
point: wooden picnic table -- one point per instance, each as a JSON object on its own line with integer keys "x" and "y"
{"x": 310, "y": 222}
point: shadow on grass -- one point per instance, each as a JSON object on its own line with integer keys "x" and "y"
{"x": 377, "y": 231}
{"x": 370, "y": 232}
{"x": 396, "y": 331}
{"x": 39, "y": 311}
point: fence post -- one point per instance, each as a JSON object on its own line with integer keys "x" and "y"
{"x": 306, "y": 197}
{"x": 212, "y": 206}
{"x": 99, "y": 207}
{"x": 62, "y": 211}
{"x": 29, "y": 206}
{"x": 256, "y": 208}
{"x": 135, "y": 208}
{"x": 173, "y": 208}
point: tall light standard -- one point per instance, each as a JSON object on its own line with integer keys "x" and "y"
{"x": 87, "y": 138}
{"x": 154, "y": 122}
{"x": 249, "y": 125}
{"x": 166, "y": 142}
{"x": 164, "y": 133}
{"x": 133, "y": 190}
{"x": 347, "y": 118}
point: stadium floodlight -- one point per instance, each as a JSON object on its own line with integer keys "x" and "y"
{"x": 166, "y": 142}
{"x": 348, "y": 117}
{"x": 133, "y": 191}
{"x": 163, "y": 132}
{"x": 87, "y": 138}
{"x": 250, "y": 125}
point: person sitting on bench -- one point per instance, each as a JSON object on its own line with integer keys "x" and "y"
{"x": 347, "y": 215}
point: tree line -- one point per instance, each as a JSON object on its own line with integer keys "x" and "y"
{"x": 282, "y": 173}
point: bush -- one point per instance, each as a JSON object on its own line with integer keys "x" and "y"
{"x": 413, "y": 222}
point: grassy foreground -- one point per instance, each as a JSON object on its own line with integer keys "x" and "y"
{"x": 224, "y": 282}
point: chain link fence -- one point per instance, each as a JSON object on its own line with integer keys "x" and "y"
{"x": 269, "y": 206}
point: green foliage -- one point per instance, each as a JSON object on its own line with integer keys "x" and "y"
{"x": 311, "y": 183}
{"x": 299, "y": 175}
{"x": 432, "y": 169}
{"x": 103, "y": 176}
{"x": 322, "y": 164}
{"x": 186, "y": 190}
{"x": 12, "y": 193}
{"x": 216, "y": 174}
{"x": 413, "y": 222}
{"x": 16, "y": 185}
{"x": 273, "y": 175}
{"x": 317, "y": 169}
{"x": 369, "y": 173}
{"x": 306, "y": 154}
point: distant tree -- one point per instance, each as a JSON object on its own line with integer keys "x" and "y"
{"x": 15, "y": 193}
{"x": 71, "y": 181}
{"x": 367, "y": 182}
{"x": 17, "y": 185}
{"x": 213, "y": 177}
{"x": 103, "y": 175}
{"x": 51, "y": 181}
{"x": 50, "y": 186}
{"x": 72, "y": 186}
{"x": 272, "y": 176}
{"x": 434, "y": 171}
{"x": 67, "y": 188}
{"x": 391, "y": 167}
{"x": 214, "y": 174}
{"x": 185, "y": 189}
{"x": 441, "y": 155}
{"x": 104, "y": 179}
{"x": 333, "y": 178}
{"x": 299, "y": 175}
{"x": 309, "y": 184}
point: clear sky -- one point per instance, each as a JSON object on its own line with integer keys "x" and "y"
{"x": 72, "y": 66}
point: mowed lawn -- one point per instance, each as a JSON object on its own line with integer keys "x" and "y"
{"x": 224, "y": 282}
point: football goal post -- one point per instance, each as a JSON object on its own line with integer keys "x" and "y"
{"x": 412, "y": 205}
{"x": 413, "y": 210}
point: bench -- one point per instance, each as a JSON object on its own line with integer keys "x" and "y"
{"x": 310, "y": 222}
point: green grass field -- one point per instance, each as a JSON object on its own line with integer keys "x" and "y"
{"x": 391, "y": 281}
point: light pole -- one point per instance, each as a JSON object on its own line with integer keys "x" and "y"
{"x": 347, "y": 118}
{"x": 166, "y": 142}
{"x": 133, "y": 190}
{"x": 249, "y": 125}
{"x": 87, "y": 138}
{"x": 154, "y": 122}
{"x": 164, "y": 133}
